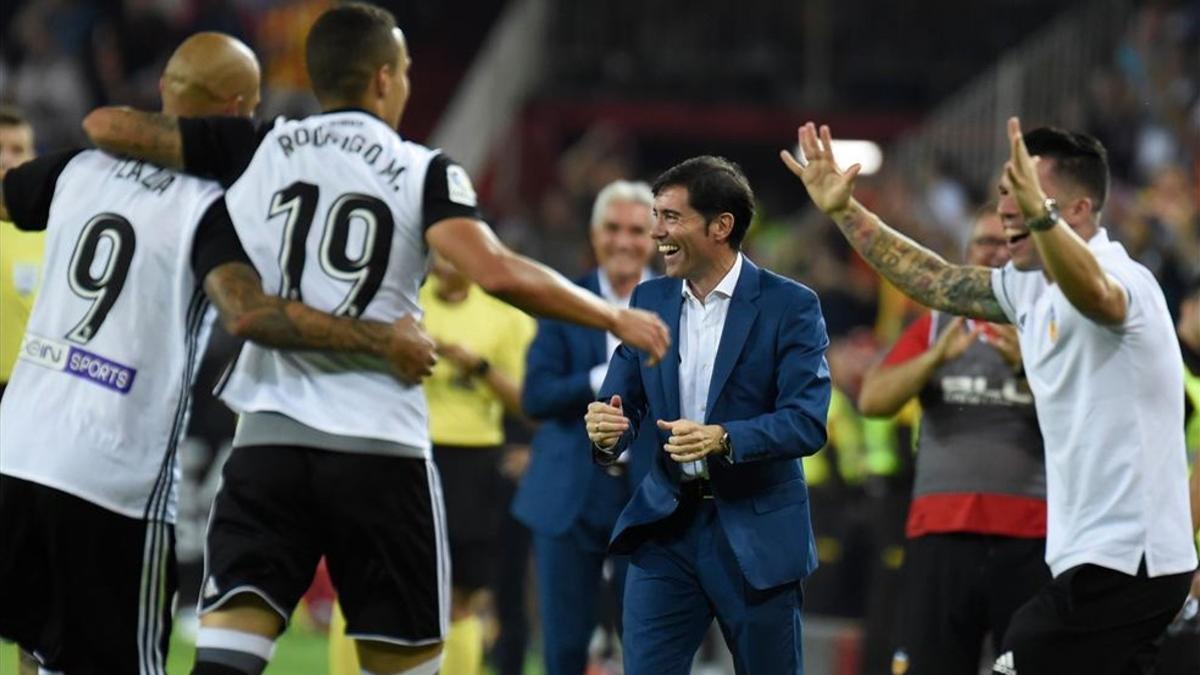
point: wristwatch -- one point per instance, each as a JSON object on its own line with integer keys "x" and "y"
{"x": 481, "y": 368}
{"x": 726, "y": 446}
{"x": 1047, "y": 220}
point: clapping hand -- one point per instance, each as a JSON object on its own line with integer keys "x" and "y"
{"x": 1003, "y": 338}
{"x": 691, "y": 441}
{"x": 954, "y": 341}
{"x": 464, "y": 359}
{"x": 606, "y": 422}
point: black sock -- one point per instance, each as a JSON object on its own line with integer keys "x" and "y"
{"x": 208, "y": 668}
{"x": 211, "y": 661}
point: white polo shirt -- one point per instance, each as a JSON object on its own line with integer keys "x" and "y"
{"x": 1110, "y": 405}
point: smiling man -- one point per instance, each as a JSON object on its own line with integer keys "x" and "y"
{"x": 720, "y": 525}
{"x": 1105, "y": 370}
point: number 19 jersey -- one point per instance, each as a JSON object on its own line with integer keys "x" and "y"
{"x": 332, "y": 210}
{"x": 100, "y": 392}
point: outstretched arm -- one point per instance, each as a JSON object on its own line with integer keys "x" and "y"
{"x": 218, "y": 148}
{"x": 537, "y": 289}
{"x": 154, "y": 137}
{"x": 920, "y": 273}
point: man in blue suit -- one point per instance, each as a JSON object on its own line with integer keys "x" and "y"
{"x": 720, "y": 525}
{"x": 570, "y": 503}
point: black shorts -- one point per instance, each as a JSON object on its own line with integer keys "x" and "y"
{"x": 377, "y": 520}
{"x": 84, "y": 589}
{"x": 474, "y": 510}
{"x": 958, "y": 588}
{"x": 1092, "y": 620}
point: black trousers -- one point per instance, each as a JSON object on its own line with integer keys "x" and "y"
{"x": 1093, "y": 620}
{"x": 958, "y": 588}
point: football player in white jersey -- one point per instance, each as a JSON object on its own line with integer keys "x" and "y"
{"x": 337, "y": 209}
{"x": 100, "y": 393}
{"x": 1105, "y": 370}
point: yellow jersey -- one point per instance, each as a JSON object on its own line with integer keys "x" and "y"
{"x": 464, "y": 410}
{"x": 20, "y": 277}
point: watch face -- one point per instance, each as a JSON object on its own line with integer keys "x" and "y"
{"x": 1052, "y": 208}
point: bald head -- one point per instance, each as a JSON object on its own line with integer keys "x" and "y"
{"x": 210, "y": 74}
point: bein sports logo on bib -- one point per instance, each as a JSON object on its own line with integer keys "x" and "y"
{"x": 61, "y": 356}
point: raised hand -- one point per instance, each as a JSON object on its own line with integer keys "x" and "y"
{"x": 1020, "y": 172}
{"x": 645, "y": 331}
{"x": 691, "y": 441}
{"x": 606, "y": 422}
{"x": 829, "y": 187}
{"x": 410, "y": 352}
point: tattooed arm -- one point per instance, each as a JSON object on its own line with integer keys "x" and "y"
{"x": 218, "y": 148}
{"x": 247, "y": 312}
{"x": 236, "y": 290}
{"x": 154, "y": 137}
{"x": 920, "y": 273}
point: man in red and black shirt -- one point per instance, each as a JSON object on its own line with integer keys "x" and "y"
{"x": 977, "y": 524}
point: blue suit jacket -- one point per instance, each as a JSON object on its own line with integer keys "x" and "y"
{"x": 556, "y": 392}
{"x": 770, "y": 391}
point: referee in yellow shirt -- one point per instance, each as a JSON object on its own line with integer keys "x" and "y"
{"x": 481, "y": 345}
{"x": 20, "y": 252}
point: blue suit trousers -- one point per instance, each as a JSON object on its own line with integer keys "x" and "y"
{"x": 569, "y": 570}
{"x": 682, "y": 576}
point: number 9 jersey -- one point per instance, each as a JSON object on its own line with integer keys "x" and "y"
{"x": 100, "y": 392}
{"x": 332, "y": 210}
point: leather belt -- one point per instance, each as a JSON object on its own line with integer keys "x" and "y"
{"x": 617, "y": 469}
{"x": 700, "y": 488}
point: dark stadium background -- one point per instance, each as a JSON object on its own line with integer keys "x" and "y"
{"x": 544, "y": 102}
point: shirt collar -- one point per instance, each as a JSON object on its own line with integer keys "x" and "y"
{"x": 349, "y": 108}
{"x": 727, "y": 284}
{"x": 1098, "y": 239}
{"x": 606, "y": 289}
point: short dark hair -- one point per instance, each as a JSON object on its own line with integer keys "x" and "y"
{"x": 715, "y": 185}
{"x": 11, "y": 117}
{"x": 346, "y": 47}
{"x": 1079, "y": 157}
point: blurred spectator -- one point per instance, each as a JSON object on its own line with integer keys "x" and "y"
{"x": 20, "y": 252}
{"x": 570, "y": 502}
{"x": 976, "y": 529}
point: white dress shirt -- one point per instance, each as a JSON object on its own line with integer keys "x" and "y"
{"x": 700, "y": 327}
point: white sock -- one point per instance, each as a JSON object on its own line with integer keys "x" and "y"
{"x": 245, "y": 652}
